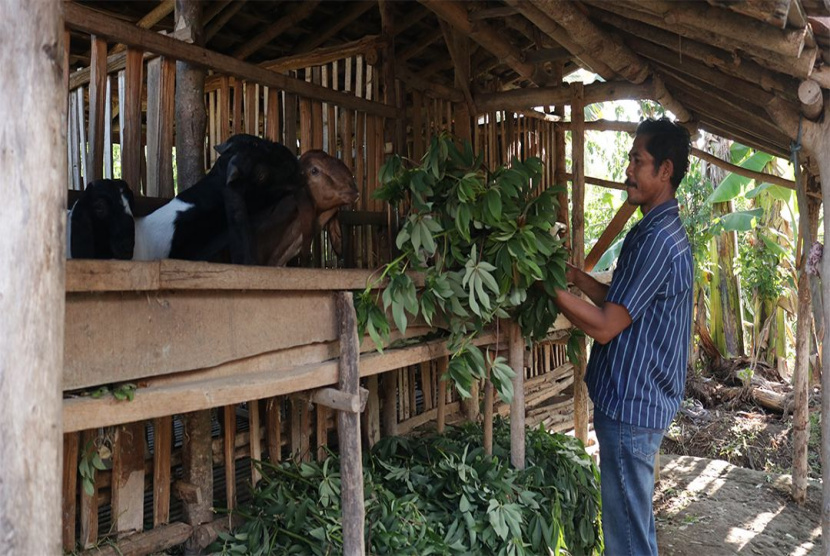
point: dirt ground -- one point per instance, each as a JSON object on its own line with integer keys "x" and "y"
{"x": 708, "y": 507}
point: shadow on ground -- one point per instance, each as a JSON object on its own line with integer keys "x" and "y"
{"x": 708, "y": 507}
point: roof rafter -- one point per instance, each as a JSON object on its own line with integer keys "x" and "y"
{"x": 456, "y": 15}
{"x": 275, "y": 29}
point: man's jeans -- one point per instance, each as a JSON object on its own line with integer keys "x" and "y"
{"x": 626, "y": 457}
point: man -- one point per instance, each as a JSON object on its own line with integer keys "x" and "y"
{"x": 641, "y": 325}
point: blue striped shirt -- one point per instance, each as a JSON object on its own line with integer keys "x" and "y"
{"x": 639, "y": 376}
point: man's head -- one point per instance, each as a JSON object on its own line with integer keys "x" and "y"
{"x": 667, "y": 141}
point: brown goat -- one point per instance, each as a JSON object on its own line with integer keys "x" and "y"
{"x": 289, "y": 229}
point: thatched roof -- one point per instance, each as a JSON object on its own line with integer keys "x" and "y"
{"x": 722, "y": 65}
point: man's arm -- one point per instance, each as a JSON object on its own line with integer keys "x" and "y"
{"x": 590, "y": 286}
{"x": 602, "y": 322}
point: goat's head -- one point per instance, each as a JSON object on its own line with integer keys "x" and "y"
{"x": 102, "y": 222}
{"x": 261, "y": 170}
{"x": 329, "y": 180}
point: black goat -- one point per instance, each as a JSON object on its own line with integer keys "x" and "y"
{"x": 223, "y": 209}
{"x": 100, "y": 223}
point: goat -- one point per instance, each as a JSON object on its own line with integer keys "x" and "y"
{"x": 100, "y": 223}
{"x": 250, "y": 177}
{"x": 288, "y": 228}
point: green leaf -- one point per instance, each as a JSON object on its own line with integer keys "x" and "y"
{"x": 741, "y": 221}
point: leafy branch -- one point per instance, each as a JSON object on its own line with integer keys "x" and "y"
{"x": 483, "y": 242}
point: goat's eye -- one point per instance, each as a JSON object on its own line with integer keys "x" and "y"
{"x": 315, "y": 170}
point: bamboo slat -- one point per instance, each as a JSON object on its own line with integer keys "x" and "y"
{"x": 163, "y": 440}
{"x": 273, "y": 421}
{"x": 255, "y": 440}
{"x": 71, "y": 446}
{"x": 228, "y": 444}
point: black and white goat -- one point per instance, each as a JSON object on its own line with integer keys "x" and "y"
{"x": 223, "y": 209}
{"x": 100, "y": 223}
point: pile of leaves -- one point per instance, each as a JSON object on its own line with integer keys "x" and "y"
{"x": 438, "y": 494}
{"x": 485, "y": 244}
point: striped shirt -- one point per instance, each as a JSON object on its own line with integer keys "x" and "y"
{"x": 639, "y": 376}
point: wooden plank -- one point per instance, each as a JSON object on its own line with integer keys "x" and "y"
{"x": 238, "y": 101}
{"x": 69, "y": 505}
{"x": 229, "y": 452}
{"x": 300, "y": 425}
{"x": 197, "y": 469}
{"x": 128, "y": 479}
{"x": 89, "y": 502}
{"x": 131, "y": 110}
{"x": 119, "y": 327}
{"x": 224, "y": 110}
{"x": 272, "y": 116}
{"x": 243, "y": 382}
{"x": 89, "y": 21}
{"x": 255, "y": 440}
{"x": 273, "y": 425}
{"x": 290, "y": 102}
{"x": 161, "y": 97}
{"x": 97, "y": 98}
{"x": 162, "y": 467}
{"x": 316, "y": 113}
{"x": 250, "y": 104}
{"x": 425, "y": 369}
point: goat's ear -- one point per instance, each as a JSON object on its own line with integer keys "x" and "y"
{"x": 127, "y": 192}
{"x": 222, "y": 148}
{"x": 232, "y": 173}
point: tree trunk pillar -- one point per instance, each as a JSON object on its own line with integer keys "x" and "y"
{"x": 191, "y": 117}
{"x": 517, "y": 408}
{"x": 32, "y": 299}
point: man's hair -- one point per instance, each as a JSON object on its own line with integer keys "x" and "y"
{"x": 667, "y": 141}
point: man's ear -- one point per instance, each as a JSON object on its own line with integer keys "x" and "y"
{"x": 667, "y": 169}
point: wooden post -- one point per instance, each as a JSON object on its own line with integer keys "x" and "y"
{"x": 348, "y": 430}
{"x": 274, "y": 428}
{"x": 389, "y": 410}
{"x": 97, "y": 99}
{"x": 255, "y": 440}
{"x": 32, "y": 303}
{"x": 131, "y": 113}
{"x": 578, "y": 249}
{"x": 517, "y": 408}
{"x": 801, "y": 390}
{"x": 197, "y": 473}
{"x": 191, "y": 117}
{"x": 488, "y": 414}
{"x": 443, "y": 363}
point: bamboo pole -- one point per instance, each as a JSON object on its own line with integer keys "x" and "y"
{"x": 348, "y": 429}
{"x": 32, "y": 247}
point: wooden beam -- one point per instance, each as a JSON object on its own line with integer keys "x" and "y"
{"x": 609, "y": 235}
{"x": 761, "y": 177}
{"x": 598, "y": 181}
{"x": 88, "y": 21}
{"x": 217, "y": 25}
{"x": 561, "y": 36}
{"x": 341, "y": 21}
{"x": 489, "y": 38}
{"x": 726, "y": 62}
{"x": 723, "y": 26}
{"x": 812, "y": 99}
{"x": 158, "y": 13}
{"x": 461, "y": 64}
{"x": 432, "y": 89}
{"x": 366, "y": 46}
{"x": 590, "y": 38}
{"x": 523, "y": 99}
{"x": 773, "y": 12}
{"x": 726, "y": 34}
{"x": 281, "y": 25}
